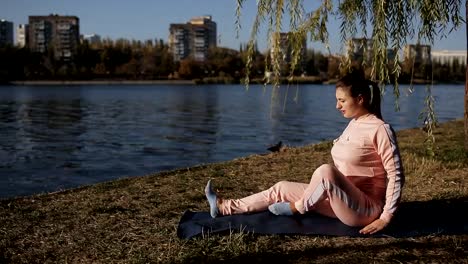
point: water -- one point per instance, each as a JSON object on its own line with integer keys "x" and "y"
{"x": 59, "y": 137}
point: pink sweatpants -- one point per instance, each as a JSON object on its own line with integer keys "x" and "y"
{"x": 329, "y": 193}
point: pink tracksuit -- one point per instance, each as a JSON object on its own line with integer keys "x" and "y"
{"x": 365, "y": 182}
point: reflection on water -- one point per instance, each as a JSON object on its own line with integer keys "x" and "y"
{"x": 61, "y": 137}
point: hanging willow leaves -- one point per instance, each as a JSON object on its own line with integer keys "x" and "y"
{"x": 393, "y": 23}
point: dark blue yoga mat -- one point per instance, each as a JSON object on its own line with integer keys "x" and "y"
{"x": 448, "y": 217}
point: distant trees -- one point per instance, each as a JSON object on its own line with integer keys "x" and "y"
{"x": 107, "y": 59}
{"x": 152, "y": 60}
{"x": 316, "y": 63}
{"x": 189, "y": 69}
{"x": 225, "y": 62}
{"x": 11, "y": 61}
{"x": 449, "y": 71}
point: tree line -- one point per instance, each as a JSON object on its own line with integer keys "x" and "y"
{"x": 152, "y": 60}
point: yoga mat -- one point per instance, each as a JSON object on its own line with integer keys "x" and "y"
{"x": 446, "y": 217}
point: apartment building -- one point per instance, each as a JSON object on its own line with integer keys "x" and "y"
{"x": 361, "y": 50}
{"x": 285, "y": 43}
{"x": 6, "y": 32}
{"x": 449, "y": 56}
{"x": 22, "y": 36}
{"x": 59, "y": 34}
{"x": 179, "y": 41}
{"x": 420, "y": 54}
{"x": 192, "y": 39}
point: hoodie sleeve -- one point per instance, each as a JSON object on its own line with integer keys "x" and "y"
{"x": 385, "y": 143}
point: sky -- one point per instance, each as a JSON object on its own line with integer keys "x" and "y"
{"x": 150, "y": 19}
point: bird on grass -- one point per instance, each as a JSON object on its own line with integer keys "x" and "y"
{"x": 277, "y": 147}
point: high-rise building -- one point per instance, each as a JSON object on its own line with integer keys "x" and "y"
{"x": 361, "y": 50}
{"x": 285, "y": 41}
{"x": 192, "y": 39}
{"x": 6, "y": 32}
{"x": 179, "y": 41}
{"x": 22, "y": 36}
{"x": 421, "y": 54}
{"x": 203, "y": 31}
{"x": 59, "y": 34}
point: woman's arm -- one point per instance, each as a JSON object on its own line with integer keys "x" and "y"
{"x": 386, "y": 145}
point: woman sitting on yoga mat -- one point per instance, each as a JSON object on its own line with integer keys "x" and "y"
{"x": 362, "y": 188}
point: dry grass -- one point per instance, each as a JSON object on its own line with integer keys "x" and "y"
{"x": 135, "y": 220}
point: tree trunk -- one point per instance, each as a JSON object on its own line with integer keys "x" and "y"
{"x": 466, "y": 80}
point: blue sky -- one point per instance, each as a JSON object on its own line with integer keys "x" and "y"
{"x": 150, "y": 19}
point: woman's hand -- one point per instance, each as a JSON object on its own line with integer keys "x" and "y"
{"x": 373, "y": 227}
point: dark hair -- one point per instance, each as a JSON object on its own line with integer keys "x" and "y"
{"x": 356, "y": 83}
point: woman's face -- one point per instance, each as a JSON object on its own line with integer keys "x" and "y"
{"x": 350, "y": 107}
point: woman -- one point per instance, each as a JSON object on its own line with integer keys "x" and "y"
{"x": 362, "y": 188}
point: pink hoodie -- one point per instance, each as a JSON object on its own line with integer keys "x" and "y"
{"x": 367, "y": 153}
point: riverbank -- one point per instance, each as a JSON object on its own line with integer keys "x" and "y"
{"x": 102, "y": 82}
{"x": 134, "y": 220}
{"x": 198, "y": 81}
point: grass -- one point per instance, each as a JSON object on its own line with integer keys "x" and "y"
{"x": 134, "y": 220}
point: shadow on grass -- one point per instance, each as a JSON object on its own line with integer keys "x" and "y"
{"x": 448, "y": 216}
{"x": 430, "y": 251}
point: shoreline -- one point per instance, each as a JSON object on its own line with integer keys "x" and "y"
{"x": 204, "y": 81}
{"x": 101, "y": 82}
{"x": 403, "y": 133}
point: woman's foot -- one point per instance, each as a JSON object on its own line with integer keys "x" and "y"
{"x": 212, "y": 200}
{"x": 283, "y": 208}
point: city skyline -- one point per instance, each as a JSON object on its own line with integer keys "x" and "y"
{"x": 144, "y": 20}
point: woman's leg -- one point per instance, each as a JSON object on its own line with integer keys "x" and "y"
{"x": 331, "y": 193}
{"x": 283, "y": 191}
